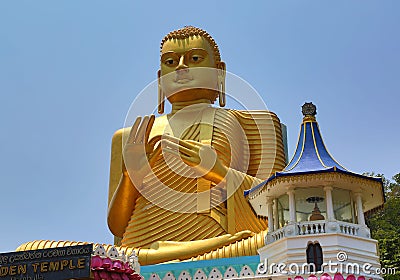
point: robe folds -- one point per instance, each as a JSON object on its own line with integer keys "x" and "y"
{"x": 176, "y": 204}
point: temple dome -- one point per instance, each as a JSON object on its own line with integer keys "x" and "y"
{"x": 311, "y": 153}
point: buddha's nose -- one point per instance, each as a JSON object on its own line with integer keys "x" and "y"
{"x": 181, "y": 65}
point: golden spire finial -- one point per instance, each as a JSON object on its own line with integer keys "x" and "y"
{"x": 309, "y": 111}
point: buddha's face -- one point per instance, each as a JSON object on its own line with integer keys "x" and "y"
{"x": 188, "y": 70}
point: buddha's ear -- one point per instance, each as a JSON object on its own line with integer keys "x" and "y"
{"x": 161, "y": 97}
{"x": 221, "y": 66}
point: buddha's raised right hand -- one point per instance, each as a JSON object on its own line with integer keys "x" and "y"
{"x": 140, "y": 153}
{"x": 139, "y": 156}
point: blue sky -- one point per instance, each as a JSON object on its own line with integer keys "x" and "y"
{"x": 69, "y": 71}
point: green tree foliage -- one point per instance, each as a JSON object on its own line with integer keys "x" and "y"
{"x": 385, "y": 226}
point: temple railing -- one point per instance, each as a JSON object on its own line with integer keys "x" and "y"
{"x": 348, "y": 228}
{"x": 316, "y": 227}
{"x": 278, "y": 234}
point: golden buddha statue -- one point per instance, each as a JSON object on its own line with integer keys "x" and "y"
{"x": 179, "y": 192}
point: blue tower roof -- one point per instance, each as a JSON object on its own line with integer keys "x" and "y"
{"x": 311, "y": 155}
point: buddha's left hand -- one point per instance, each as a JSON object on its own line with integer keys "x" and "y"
{"x": 201, "y": 157}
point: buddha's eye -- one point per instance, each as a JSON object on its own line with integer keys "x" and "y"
{"x": 196, "y": 58}
{"x": 169, "y": 62}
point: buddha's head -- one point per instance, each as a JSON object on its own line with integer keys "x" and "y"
{"x": 191, "y": 67}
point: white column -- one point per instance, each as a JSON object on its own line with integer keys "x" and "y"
{"x": 360, "y": 212}
{"x": 329, "y": 203}
{"x": 270, "y": 215}
{"x": 276, "y": 219}
{"x": 292, "y": 206}
{"x": 353, "y": 209}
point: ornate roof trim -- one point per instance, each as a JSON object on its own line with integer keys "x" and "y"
{"x": 328, "y": 174}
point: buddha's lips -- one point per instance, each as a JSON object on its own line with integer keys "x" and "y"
{"x": 182, "y": 79}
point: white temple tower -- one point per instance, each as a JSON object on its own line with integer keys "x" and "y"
{"x": 315, "y": 209}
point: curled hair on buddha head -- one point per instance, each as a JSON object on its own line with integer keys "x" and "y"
{"x": 191, "y": 31}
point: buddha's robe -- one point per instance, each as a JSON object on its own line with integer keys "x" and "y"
{"x": 173, "y": 205}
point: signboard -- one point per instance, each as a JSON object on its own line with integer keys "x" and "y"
{"x": 48, "y": 264}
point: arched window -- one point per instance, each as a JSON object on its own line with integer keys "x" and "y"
{"x": 314, "y": 255}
